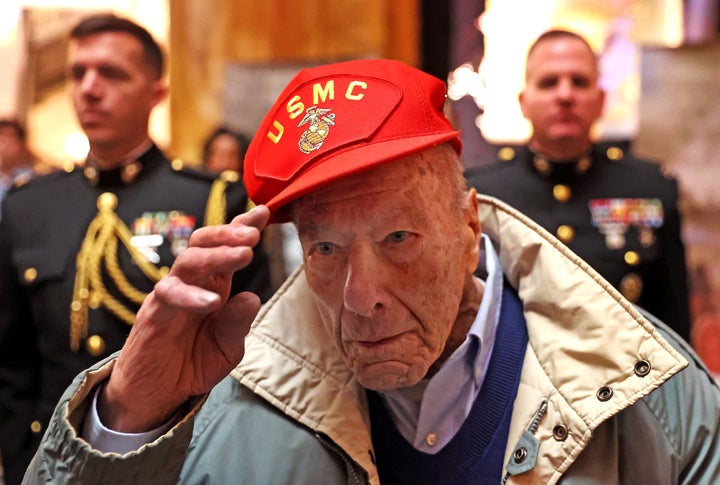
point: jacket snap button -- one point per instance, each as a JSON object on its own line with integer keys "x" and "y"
{"x": 642, "y": 368}
{"x": 560, "y": 432}
{"x": 604, "y": 393}
{"x": 520, "y": 455}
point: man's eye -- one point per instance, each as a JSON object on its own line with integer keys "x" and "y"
{"x": 398, "y": 236}
{"x": 325, "y": 248}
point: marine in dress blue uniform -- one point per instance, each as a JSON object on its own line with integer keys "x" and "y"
{"x": 79, "y": 250}
{"x": 617, "y": 212}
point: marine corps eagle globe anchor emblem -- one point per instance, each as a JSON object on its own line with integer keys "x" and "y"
{"x": 320, "y": 122}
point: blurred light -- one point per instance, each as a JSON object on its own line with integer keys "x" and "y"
{"x": 76, "y": 146}
{"x": 9, "y": 17}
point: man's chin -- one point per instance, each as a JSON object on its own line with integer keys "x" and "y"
{"x": 389, "y": 375}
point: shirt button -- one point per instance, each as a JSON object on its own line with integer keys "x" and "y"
{"x": 431, "y": 439}
{"x": 36, "y": 427}
{"x": 565, "y": 233}
{"x": 562, "y": 192}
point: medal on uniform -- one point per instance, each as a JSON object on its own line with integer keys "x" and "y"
{"x": 614, "y": 218}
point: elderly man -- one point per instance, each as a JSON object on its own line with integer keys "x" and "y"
{"x": 432, "y": 336}
{"x": 617, "y": 212}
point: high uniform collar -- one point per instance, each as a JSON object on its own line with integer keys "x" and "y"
{"x": 547, "y": 166}
{"x": 125, "y": 171}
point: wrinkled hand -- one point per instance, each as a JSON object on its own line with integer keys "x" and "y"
{"x": 187, "y": 335}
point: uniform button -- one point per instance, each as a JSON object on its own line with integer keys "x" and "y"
{"x": 560, "y": 432}
{"x": 604, "y": 393}
{"x": 431, "y": 439}
{"x": 95, "y": 345}
{"x": 614, "y": 153}
{"x": 631, "y": 287}
{"x": 177, "y": 164}
{"x": 562, "y": 192}
{"x": 36, "y": 427}
{"x": 68, "y": 167}
{"x": 506, "y": 154}
{"x": 30, "y": 274}
{"x": 565, "y": 233}
{"x": 632, "y": 258}
{"x": 642, "y": 368}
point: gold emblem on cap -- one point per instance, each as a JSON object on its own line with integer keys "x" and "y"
{"x": 632, "y": 258}
{"x": 614, "y": 153}
{"x": 565, "y": 233}
{"x": 95, "y": 345}
{"x": 562, "y": 192}
{"x": 30, "y": 274}
{"x": 107, "y": 201}
{"x": 506, "y": 154}
{"x": 320, "y": 120}
{"x": 631, "y": 287}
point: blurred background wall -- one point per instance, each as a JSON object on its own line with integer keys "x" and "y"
{"x": 230, "y": 58}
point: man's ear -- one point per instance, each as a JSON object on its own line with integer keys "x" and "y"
{"x": 474, "y": 230}
{"x": 160, "y": 91}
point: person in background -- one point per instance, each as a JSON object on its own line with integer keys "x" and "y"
{"x": 16, "y": 160}
{"x": 442, "y": 339}
{"x": 617, "y": 212}
{"x": 80, "y": 250}
{"x": 224, "y": 150}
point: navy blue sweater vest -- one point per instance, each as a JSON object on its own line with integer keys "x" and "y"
{"x": 475, "y": 455}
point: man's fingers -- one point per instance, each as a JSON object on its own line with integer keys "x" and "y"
{"x": 258, "y": 217}
{"x": 198, "y": 264}
{"x": 177, "y": 294}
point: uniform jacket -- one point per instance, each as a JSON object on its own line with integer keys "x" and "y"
{"x": 617, "y": 212}
{"x": 43, "y": 226}
{"x": 601, "y": 390}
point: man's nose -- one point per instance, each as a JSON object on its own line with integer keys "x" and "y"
{"x": 89, "y": 84}
{"x": 363, "y": 285}
{"x": 565, "y": 89}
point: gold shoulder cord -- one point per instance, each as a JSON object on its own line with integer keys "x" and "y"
{"x": 216, "y": 208}
{"x": 100, "y": 246}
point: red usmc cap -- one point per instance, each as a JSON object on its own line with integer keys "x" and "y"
{"x": 340, "y": 119}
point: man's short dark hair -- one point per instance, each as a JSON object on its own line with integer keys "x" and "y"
{"x": 98, "y": 24}
{"x": 15, "y": 125}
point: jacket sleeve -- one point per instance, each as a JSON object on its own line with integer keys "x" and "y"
{"x": 688, "y": 409}
{"x": 63, "y": 457}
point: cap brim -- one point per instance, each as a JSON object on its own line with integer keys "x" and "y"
{"x": 352, "y": 161}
